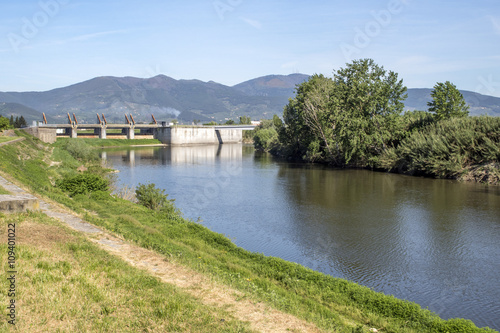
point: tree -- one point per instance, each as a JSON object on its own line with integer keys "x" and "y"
{"x": 19, "y": 122}
{"x": 11, "y": 122}
{"x": 229, "y": 122}
{"x": 296, "y": 136}
{"x": 22, "y": 122}
{"x": 245, "y": 120}
{"x": 347, "y": 120}
{"x": 4, "y": 123}
{"x": 265, "y": 136}
{"x": 447, "y": 102}
{"x": 369, "y": 100}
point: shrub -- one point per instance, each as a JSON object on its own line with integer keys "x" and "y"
{"x": 81, "y": 150}
{"x": 152, "y": 197}
{"x": 83, "y": 184}
{"x": 453, "y": 148}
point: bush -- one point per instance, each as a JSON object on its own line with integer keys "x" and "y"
{"x": 152, "y": 197}
{"x": 83, "y": 184}
{"x": 81, "y": 150}
{"x": 460, "y": 148}
{"x": 265, "y": 136}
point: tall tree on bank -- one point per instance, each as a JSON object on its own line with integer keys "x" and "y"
{"x": 347, "y": 120}
{"x": 4, "y": 123}
{"x": 447, "y": 102}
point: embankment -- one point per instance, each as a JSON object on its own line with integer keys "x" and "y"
{"x": 329, "y": 303}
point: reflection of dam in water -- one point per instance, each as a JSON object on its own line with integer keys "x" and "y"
{"x": 176, "y": 155}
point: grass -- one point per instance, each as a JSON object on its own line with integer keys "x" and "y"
{"x": 3, "y": 191}
{"x": 7, "y": 138}
{"x": 66, "y": 283}
{"x": 332, "y": 304}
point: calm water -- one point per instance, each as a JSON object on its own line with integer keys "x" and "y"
{"x": 434, "y": 242}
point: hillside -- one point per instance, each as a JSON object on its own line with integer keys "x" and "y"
{"x": 162, "y": 96}
{"x": 18, "y": 110}
{"x": 272, "y": 85}
{"x": 186, "y": 100}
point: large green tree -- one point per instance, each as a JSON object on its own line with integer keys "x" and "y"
{"x": 447, "y": 101}
{"x": 347, "y": 120}
{"x": 4, "y": 123}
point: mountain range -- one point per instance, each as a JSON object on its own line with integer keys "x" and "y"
{"x": 185, "y": 100}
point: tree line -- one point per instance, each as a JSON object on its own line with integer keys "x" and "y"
{"x": 6, "y": 123}
{"x": 356, "y": 119}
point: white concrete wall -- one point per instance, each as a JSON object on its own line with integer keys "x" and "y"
{"x": 231, "y": 135}
{"x": 197, "y": 135}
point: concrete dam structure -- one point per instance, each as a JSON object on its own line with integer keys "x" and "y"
{"x": 170, "y": 135}
{"x": 198, "y": 135}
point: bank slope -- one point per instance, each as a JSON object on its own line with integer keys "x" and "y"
{"x": 330, "y": 303}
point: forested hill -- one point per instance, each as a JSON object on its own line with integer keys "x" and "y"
{"x": 186, "y": 100}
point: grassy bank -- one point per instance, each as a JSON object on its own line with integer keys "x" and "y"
{"x": 67, "y": 284}
{"x": 7, "y": 138}
{"x": 330, "y": 303}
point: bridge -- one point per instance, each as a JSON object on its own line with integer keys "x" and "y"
{"x": 167, "y": 134}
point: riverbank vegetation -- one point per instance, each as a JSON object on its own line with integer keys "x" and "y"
{"x": 330, "y": 303}
{"x": 356, "y": 119}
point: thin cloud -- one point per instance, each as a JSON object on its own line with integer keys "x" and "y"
{"x": 253, "y": 23}
{"x": 496, "y": 24}
{"x": 87, "y": 37}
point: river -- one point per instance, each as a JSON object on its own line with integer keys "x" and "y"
{"x": 433, "y": 242}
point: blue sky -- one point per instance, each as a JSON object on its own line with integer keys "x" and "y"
{"x": 47, "y": 44}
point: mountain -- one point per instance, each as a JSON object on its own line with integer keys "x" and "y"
{"x": 18, "y": 110}
{"x": 162, "y": 96}
{"x": 272, "y": 85}
{"x": 186, "y": 100}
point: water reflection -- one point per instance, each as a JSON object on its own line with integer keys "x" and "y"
{"x": 176, "y": 155}
{"x": 435, "y": 242}
{"x": 421, "y": 239}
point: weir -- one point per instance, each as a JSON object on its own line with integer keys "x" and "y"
{"x": 170, "y": 135}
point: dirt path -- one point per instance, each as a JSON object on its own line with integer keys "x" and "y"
{"x": 261, "y": 317}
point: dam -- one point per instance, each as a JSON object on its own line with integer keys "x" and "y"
{"x": 170, "y": 135}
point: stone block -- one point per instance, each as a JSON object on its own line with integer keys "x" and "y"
{"x": 18, "y": 204}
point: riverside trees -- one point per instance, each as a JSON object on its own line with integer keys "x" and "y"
{"x": 347, "y": 120}
{"x": 355, "y": 120}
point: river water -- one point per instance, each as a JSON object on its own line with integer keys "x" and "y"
{"x": 433, "y": 242}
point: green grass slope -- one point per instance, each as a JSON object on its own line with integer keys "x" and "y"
{"x": 332, "y": 304}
